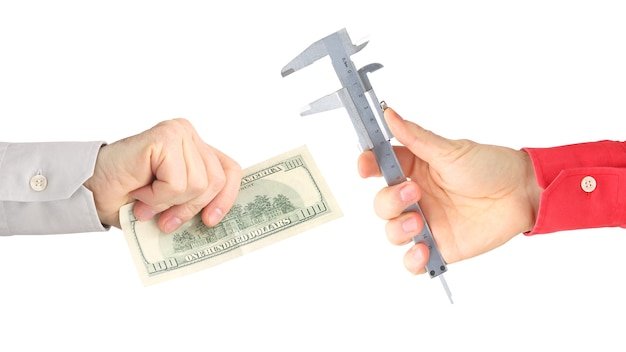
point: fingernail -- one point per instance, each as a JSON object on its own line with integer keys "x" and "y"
{"x": 215, "y": 216}
{"x": 172, "y": 224}
{"x": 408, "y": 193}
{"x": 146, "y": 214}
{"x": 409, "y": 225}
{"x": 417, "y": 255}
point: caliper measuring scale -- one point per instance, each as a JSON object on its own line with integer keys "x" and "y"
{"x": 366, "y": 114}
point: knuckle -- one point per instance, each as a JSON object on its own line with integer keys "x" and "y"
{"x": 171, "y": 129}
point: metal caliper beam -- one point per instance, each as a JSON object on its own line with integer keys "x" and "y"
{"x": 359, "y": 99}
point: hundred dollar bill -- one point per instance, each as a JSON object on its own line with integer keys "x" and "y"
{"x": 278, "y": 198}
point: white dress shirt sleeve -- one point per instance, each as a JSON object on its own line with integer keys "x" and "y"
{"x": 41, "y": 188}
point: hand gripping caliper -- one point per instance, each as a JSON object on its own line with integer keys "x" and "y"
{"x": 366, "y": 113}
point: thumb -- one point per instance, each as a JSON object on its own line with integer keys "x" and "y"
{"x": 425, "y": 144}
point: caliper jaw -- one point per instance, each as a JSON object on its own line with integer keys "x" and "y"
{"x": 319, "y": 50}
{"x": 338, "y": 99}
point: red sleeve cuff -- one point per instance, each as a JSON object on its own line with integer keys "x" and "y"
{"x": 568, "y": 202}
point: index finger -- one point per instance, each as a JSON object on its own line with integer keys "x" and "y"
{"x": 423, "y": 143}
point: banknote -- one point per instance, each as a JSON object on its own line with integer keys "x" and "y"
{"x": 278, "y": 198}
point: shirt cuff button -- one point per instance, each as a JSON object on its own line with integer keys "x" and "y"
{"x": 38, "y": 183}
{"x": 588, "y": 184}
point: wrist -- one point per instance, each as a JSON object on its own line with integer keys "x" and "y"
{"x": 533, "y": 192}
{"x": 101, "y": 191}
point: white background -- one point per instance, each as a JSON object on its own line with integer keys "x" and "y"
{"x": 531, "y": 73}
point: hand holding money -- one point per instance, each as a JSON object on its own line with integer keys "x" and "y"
{"x": 169, "y": 170}
{"x": 277, "y": 198}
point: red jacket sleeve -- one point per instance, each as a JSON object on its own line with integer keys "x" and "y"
{"x": 584, "y": 186}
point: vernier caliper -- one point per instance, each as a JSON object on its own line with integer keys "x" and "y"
{"x": 366, "y": 113}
